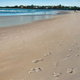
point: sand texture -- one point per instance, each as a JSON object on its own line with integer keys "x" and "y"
{"x": 42, "y": 50}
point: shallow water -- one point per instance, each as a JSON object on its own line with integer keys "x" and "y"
{"x": 15, "y": 12}
{"x": 12, "y": 17}
{"x": 18, "y": 20}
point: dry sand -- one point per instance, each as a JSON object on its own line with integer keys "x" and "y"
{"x": 43, "y": 50}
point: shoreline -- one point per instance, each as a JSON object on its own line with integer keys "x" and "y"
{"x": 59, "y": 13}
{"x": 42, "y": 50}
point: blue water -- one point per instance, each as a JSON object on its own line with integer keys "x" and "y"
{"x": 13, "y": 12}
{"x": 12, "y": 17}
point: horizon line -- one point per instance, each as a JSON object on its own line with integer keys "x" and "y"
{"x": 38, "y": 5}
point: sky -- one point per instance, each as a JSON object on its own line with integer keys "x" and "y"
{"x": 40, "y": 2}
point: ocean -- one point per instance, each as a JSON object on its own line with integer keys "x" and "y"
{"x": 12, "y": 17}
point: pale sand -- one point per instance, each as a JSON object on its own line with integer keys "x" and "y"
{"x": 43, "y": 50}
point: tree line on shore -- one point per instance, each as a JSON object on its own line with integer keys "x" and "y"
{"x": 59, "y": 7}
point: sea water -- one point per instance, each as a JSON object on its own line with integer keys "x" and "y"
{"x": 12, "y": 17}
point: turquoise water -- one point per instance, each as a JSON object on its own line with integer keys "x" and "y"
{"x": 14, "y": 12}
{"x": 12, "y": 17}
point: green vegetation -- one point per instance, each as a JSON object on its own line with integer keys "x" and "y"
{"x": 59, "y": 7}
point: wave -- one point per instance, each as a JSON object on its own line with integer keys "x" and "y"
{"x": 12, "y": 12}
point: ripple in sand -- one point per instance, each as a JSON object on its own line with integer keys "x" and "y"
{"x": 56, "y": 74}
{"x": 70, "y": 70}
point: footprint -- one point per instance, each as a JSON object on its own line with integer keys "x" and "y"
{"x": 55, "y": 64}
{"x": 35, "y": 61}
{"x": 72, "y": 44}
{"x": 47, "y": 54}
{"x": 77, "y": 55}
{"x": 68, "y": 56}
{"x": 77, "y": 47}
{"x": 59, "y": 44}
{"x": 33, "y": 70}
{"x": 56, "y": 74}
{"x": 51, "y": 48}
{"x": 38, "y": 69}
{"x": 40, "y": 59}
{"x": 70, "y": 70}
{"x": 70, "y": 49}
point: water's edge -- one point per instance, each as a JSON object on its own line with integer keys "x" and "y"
{"x": 8, "y": 21}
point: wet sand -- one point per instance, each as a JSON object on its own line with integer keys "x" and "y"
{"x": 42, "y": 50}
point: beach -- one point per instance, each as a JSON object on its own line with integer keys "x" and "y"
{"x": 42, "y": 50}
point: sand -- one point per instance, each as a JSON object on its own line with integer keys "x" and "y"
{"x": 42, "y": 50}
